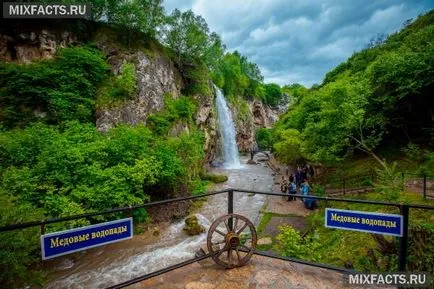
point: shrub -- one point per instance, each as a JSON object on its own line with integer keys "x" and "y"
{"x": 53, "y": 90}
{"x": 291, "y": 244}
{"x": 264, "y": 138}
{"x": 389, "y": 182}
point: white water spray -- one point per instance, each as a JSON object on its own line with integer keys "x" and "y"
{"x": 227, "y": 132}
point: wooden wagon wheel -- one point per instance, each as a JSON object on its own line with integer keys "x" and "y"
{"x": 231, "y": 247}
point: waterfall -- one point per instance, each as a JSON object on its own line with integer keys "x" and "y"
{"x": 227, "y": 132}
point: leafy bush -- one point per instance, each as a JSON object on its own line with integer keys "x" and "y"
{"x": 389, "y": 182}
{"x": 52, "y": 90}
{"x": 413, "y": 152}
{"x": 182, "y": 108}
{"x": 117, "y": 89}
{"x": 18, "y": 249}
{"x": 291, "y": 244}
{"x": 263, "y": 138}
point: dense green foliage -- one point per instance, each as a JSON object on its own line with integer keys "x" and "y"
{"x": 63, "y": 89}
{"x": 263, "y": 138}
{"x": 116, "y": 89}
{"x": 240, "y": 78}
{"x": 291, "y": 244}
{"x": 378, "y": 96}
{"x": 188, "y": 36}
{"x": 55, "y": 163}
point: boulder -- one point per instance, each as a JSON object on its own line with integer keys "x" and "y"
{"x": 192, "y": 226}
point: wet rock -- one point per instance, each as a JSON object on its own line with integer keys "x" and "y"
{"x": 251, "y": 162}
{"x": 216, "y": 164}
{"x": 192, "y": 226}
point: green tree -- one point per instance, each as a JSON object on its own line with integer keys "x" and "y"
{"x": 188, "y": 36}
{"x": 137, "y": 16}
{"x": 288, "y": 146}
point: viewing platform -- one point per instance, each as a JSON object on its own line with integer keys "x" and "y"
{"x": 260, "y": 272}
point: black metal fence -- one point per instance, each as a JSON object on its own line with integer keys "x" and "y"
{"x": 414, "y": 182}
{"x": 402, "y": 254}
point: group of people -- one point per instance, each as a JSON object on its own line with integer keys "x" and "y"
{"x": 303, "y": 173}
{"x": 298, "y": 184}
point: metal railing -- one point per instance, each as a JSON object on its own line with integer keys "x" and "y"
{"x": 402, "y": 253}
{"x": 343, "y": 185}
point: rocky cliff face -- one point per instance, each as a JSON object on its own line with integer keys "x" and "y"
{"x": 156, "y": 76}
{"x": 258, "y": 116}
{"x": 33, "y": 45}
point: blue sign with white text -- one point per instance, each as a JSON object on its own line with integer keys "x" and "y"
{"x": 69, "y": 241}
{"x": 376, "y": 223}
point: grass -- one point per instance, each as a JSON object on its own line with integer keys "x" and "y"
{"x": 342, "y": 247}
{"x": 266, "y": 218}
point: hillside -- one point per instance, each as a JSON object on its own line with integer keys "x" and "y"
{"x": 377, "y": 101}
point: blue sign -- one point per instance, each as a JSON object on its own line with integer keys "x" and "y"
{"x": 376, "y": 223}
{"x": 69, "y": 241}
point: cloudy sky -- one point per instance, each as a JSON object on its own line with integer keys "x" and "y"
{"x": 298, "y": 41}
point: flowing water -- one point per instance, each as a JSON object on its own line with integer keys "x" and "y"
{"x": 227, "y": 132}
{"x": 115, "y": 263}
{"x": 145, "y": 253}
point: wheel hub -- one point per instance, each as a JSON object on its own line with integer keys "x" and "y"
{"x": 232, "y": 240}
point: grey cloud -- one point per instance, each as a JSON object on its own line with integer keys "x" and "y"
{"x": 299, "y": 41}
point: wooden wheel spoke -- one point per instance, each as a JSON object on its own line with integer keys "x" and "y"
{"x": 238, "y": 239}
{"x": 219, "y": 242}
{"x": 227, "y": 226}
{"x": 242, "y": 228}
{"x": 236, "y": 224}
{"x": 220, "y": 232}
{"x": 245, "y": 248}
{"x": 238, "y": 255}
{"x": 221, "y": 252}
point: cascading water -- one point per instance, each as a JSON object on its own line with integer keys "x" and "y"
{"x": 105, "y": 266}
{"x": 227, "y": 132}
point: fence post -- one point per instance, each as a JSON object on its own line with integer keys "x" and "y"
{"x": 403, "y": 242}
{"x": 424, "y": 186}
{"x": 230, "y": 207}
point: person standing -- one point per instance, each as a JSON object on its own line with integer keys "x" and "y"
{"x": 291, "y": 178}
{"x": 292, "y": 190}
{"x": 283, "y": 185}
{"x": 297, "y": 178}
{"x": 311, "y": 171}
{"x": 309, "y": 203}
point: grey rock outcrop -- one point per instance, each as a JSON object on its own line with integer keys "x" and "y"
{"x": 156, "y": 76}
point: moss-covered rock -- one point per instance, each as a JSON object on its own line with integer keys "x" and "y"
{"x": 192, "y": 226}
{"x": 215, "y": 178}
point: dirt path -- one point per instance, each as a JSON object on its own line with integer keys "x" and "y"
{"x": 278, "y": 210}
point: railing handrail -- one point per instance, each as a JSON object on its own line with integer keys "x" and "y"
{"x": 100, "y": 213}
{"x": 121, "y": 209}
